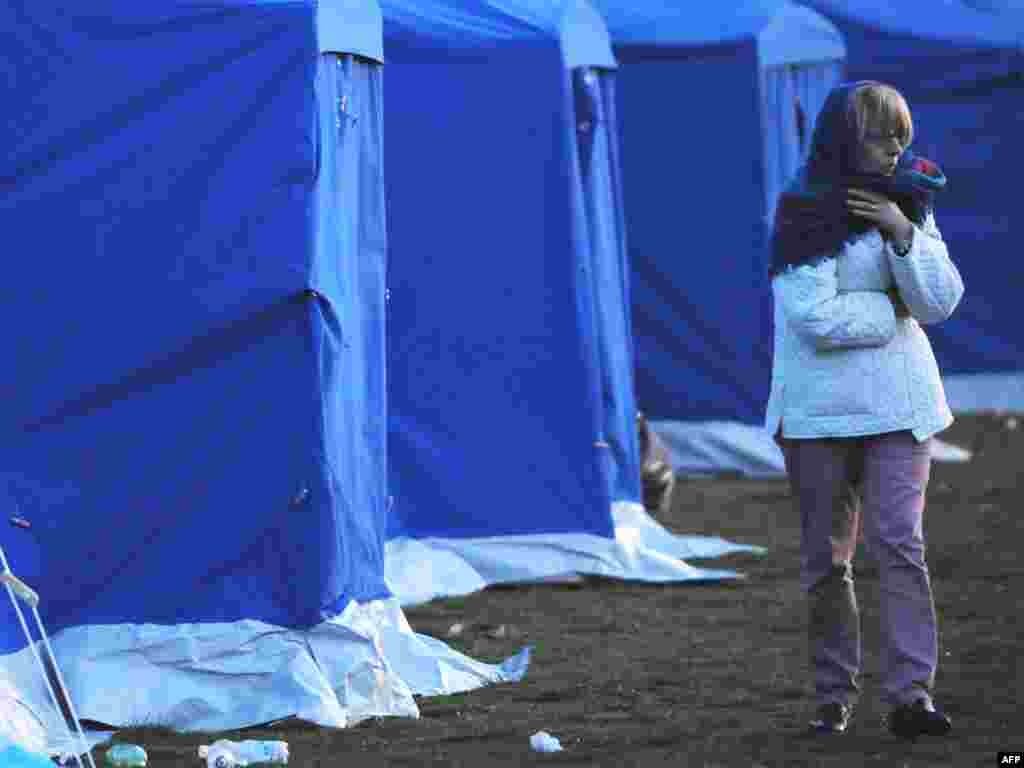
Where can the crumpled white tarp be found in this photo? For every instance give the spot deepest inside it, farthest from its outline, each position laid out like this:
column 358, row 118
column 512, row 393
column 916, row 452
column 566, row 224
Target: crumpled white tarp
column 419, row 570
column 715, row 447
column 38, row 730
column 367, row 662
column 719, row 447
column 20, row 724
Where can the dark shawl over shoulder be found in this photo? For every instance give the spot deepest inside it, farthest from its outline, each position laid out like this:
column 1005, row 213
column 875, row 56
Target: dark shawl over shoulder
column 811, row 219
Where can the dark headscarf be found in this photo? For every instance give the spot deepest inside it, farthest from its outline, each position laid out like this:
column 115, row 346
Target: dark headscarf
column 811, row 219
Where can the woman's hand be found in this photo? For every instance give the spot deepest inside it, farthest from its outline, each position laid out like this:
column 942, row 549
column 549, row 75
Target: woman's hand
column 880, row 211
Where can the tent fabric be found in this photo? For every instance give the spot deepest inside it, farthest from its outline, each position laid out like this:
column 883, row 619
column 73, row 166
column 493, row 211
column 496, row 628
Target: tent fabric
column 660, row 24
column 23, row 727
column 44, row 732
column 960, row 70
column 146, row 213
column 729, row 448
column 194, row 420
column 350, row 27
column 701, row 332
column 981, row 392
column 571, row 27
column 792, row 96
column 421, row 569
column 512, row 419
column 796, row 34
column 786, row 32
column 594, row 107
column 953, row 25
column 210, row 676
column 698, row 175
column 1000, row 6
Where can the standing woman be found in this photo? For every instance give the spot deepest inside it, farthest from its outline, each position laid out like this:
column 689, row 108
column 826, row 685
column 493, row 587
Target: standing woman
column 858, row 266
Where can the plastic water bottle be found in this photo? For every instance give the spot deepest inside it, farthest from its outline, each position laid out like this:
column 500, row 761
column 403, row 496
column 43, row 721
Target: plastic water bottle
column 224, row 753
column 542, row 741
column 126, row 756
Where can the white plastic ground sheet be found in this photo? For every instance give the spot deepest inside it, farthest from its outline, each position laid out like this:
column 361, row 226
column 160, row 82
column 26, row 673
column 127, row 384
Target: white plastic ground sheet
column 715, row 447
column 37, row 729
column 368, row 662
column 418, row 570
column 711, row 448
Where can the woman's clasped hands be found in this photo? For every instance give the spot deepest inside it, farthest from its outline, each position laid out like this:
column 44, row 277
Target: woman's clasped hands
column 880, row 211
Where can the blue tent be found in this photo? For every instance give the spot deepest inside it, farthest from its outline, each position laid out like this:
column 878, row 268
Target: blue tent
column 961, row 69
column 716, row 106
column 194, row 421
column 998, row 6
column 512, row 417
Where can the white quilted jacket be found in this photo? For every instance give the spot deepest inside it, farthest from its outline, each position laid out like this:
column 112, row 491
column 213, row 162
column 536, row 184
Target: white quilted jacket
column 844, row 364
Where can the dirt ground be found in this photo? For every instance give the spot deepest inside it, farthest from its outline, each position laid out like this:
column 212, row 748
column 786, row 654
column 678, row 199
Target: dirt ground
column 714, row 675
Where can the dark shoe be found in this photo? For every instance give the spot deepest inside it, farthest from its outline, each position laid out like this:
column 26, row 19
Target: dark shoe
column 909, row 721
column 832, row 718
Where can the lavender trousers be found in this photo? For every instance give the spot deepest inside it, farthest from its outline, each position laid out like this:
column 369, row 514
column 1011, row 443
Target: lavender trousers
column 875, row 484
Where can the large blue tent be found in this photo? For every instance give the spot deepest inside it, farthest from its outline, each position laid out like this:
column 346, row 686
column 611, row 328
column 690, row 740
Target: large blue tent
column 716, row 104
column 962, row 71
column 194, row 411
column 512, row 416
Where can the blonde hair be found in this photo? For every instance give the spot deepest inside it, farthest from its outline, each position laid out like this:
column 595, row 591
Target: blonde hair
column 880, row 108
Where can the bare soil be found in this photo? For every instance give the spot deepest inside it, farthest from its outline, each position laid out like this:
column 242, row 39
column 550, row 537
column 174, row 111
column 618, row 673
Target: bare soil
column 713, row 675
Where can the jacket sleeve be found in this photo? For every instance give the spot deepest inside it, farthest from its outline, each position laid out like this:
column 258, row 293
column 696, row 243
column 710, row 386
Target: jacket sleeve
column 827, row 319
column 929, row 283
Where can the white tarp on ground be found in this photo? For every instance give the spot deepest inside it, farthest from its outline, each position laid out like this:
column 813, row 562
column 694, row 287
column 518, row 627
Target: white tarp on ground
column 418, row 570
column 702, row 448
column 22, row 725
column 38, row 731
column 368, row 662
